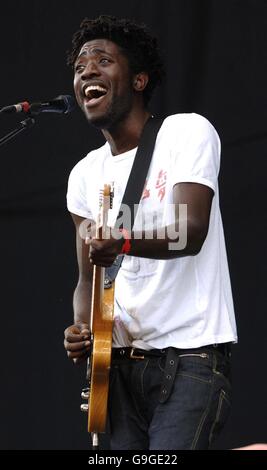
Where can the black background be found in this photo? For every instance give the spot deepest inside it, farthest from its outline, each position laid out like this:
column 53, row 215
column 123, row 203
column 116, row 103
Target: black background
column 216, row 58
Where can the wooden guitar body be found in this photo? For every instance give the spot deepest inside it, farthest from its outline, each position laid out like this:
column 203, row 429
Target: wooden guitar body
column 101, row 357
column 101, row 331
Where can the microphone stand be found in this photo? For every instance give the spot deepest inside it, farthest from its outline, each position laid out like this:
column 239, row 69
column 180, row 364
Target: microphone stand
column 26, row 124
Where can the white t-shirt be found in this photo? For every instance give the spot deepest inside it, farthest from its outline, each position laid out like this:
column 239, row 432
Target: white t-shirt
column 183, row 302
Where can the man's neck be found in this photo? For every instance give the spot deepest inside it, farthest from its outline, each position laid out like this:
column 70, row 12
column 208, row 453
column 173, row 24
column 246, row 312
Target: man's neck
column 127, row 134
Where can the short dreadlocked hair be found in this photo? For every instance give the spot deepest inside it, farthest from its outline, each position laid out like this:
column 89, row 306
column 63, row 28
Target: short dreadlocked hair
column 134, row 40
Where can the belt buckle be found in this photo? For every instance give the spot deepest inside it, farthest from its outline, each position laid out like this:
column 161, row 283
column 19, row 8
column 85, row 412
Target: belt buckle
column 134, row 356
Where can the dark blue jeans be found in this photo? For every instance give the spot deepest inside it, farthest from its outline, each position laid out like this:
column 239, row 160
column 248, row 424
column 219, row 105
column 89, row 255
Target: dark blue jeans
column 192, row 416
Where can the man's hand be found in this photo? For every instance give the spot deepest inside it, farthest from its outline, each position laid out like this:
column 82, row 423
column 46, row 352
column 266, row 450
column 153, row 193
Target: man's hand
column 77, row 342
column 104, row 252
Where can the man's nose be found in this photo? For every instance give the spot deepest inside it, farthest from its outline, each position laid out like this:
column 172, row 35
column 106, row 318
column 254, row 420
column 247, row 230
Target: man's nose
column 91, row 70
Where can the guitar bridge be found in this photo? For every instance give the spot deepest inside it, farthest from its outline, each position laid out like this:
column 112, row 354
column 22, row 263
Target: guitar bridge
column 85, row 395
column 86, row 391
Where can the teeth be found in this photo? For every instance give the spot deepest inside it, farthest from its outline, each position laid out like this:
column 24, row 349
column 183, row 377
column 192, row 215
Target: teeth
column 92, row 88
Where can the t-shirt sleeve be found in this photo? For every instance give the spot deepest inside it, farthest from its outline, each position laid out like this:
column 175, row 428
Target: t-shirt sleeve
column 76, row 193
column 199, row 158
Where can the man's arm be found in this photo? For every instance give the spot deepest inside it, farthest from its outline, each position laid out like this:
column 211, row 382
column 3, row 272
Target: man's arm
column 198, row 199
column 77, row 335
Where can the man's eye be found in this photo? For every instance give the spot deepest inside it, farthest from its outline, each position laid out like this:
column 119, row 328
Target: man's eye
column 104, row 60
column 79, row 67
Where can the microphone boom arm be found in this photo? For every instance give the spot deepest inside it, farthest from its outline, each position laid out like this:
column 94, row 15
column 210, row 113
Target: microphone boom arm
column 26, row 124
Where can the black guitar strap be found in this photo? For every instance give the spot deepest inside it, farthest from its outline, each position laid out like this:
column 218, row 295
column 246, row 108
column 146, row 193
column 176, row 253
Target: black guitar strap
column 135, row 185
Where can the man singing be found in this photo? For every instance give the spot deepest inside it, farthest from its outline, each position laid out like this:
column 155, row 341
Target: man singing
column 172, row 306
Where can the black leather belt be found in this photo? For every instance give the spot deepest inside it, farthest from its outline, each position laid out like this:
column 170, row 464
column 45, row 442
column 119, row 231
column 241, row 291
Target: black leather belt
column 136, row 353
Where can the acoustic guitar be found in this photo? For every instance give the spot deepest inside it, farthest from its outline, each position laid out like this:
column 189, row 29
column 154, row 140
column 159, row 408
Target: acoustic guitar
column 101, row 333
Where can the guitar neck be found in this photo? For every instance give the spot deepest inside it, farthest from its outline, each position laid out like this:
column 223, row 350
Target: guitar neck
column 96, row 318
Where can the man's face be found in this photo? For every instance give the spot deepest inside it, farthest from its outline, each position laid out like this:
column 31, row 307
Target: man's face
column 103, row 83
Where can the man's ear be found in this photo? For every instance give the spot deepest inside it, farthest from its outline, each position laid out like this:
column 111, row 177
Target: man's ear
column 140, row 81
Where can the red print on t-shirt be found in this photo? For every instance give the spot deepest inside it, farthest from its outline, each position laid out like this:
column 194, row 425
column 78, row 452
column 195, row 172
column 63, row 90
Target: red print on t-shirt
column 146, row 192
column 161, row 184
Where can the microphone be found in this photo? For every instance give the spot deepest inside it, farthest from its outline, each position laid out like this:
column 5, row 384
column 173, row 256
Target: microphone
column 61, row 104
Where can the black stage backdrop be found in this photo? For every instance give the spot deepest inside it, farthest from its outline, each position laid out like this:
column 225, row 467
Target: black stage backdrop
column 216, row 58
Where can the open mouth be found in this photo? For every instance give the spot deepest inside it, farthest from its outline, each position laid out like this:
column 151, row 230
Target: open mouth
column 94, row 94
